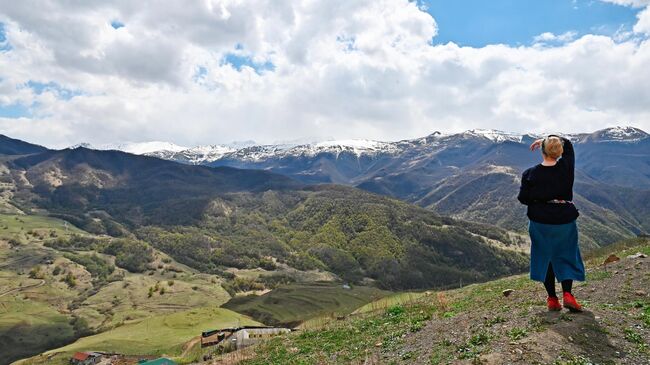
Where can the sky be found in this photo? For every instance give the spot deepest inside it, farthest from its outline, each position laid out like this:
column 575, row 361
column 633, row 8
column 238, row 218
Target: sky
column 216, row 71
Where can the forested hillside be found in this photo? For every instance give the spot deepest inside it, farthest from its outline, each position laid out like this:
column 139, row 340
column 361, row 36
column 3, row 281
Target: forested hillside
column 213, row 219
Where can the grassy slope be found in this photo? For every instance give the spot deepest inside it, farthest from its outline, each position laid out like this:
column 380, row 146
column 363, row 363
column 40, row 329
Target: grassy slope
column 28, row 326
column 18, row 226
column 162, row 335
column 30, row 317
column 36, row 316
column 291, row 304
column 478, row 323
column 389, row 301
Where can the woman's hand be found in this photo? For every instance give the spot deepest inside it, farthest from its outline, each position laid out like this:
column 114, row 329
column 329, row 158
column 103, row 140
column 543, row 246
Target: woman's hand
column 537, row 144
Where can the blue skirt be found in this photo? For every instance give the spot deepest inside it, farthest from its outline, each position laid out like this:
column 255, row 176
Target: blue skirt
column 556, row 244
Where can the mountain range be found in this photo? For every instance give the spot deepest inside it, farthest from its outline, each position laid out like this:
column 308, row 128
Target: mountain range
column 408, row 214
column 215, row 218
column 472, row 175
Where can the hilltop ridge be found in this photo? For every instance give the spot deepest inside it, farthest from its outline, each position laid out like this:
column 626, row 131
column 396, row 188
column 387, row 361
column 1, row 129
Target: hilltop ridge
column 478, row 324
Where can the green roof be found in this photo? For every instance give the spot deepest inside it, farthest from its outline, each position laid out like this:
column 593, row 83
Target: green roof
column 161, row 361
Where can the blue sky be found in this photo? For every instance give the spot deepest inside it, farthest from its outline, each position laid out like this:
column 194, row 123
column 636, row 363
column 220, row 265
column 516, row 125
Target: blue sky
column 131, row 72
column 516, row 22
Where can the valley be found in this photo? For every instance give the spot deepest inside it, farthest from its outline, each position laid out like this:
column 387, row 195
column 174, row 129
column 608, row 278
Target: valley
column 136, row 255
column 473, row 175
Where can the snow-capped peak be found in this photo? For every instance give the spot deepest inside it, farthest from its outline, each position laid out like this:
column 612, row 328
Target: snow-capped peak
column 624, row 133
column 617, row 134
column 142, row 148
column 137, row 148
column 495, row 135
column 248, row 151
column 358, row 145
column 195, row 155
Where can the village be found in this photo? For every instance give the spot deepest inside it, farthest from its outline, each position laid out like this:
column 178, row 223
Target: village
column 221, row 341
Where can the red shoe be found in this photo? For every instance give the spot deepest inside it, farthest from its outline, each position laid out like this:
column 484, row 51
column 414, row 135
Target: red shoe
column 570, row 303
column 553, row 304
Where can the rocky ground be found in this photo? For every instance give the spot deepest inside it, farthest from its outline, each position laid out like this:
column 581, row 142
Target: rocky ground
column 613, row 329
column 478, row 324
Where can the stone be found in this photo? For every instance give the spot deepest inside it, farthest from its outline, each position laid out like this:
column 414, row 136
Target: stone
column 507, row 292
column 637, row 255
column 640, row 293
column 610, row 259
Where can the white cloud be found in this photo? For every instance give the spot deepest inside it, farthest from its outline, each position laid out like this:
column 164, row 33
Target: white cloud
column 347, row 69
column 643, row 25
column 550, row 37
column 633, row 3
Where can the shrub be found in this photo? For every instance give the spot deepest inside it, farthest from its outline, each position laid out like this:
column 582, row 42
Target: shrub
column 241, row 285
column 36, row 273
column 70, row 280
column 96, row 266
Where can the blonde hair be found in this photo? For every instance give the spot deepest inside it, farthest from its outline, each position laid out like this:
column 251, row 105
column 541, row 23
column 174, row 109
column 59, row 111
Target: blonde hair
column 552, row 147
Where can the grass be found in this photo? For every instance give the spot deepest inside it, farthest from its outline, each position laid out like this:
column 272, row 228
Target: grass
column 162, row 335
column 621, row 249
column 566, row 358
column 128, row 299
column 295, row 303
column 597, row 275
column 28, row 327
column 347, row 341
column 389, row 301
column 31, row 321
column 30, row 227
column 517, row 333
column 370, row 331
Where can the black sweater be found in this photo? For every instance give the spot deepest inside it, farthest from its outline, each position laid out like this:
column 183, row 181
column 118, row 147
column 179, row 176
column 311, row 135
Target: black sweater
column 540, row 184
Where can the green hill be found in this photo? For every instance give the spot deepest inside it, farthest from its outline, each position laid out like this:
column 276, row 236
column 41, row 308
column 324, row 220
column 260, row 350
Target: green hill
column 215, row 218
column 292, row 304
column 163, row 335
column 477, row 324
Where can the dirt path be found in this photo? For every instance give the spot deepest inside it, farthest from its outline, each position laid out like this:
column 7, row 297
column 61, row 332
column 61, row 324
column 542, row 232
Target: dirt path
column 518, row 329
column 41, row 283
column 189, row 345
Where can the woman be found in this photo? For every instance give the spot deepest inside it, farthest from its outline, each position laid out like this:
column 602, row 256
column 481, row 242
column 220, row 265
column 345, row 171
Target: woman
column 547, row 190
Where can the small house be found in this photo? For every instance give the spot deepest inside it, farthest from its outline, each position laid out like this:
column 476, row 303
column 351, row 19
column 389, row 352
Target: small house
column 85, row 358
column 237, row 338
column 249, row 336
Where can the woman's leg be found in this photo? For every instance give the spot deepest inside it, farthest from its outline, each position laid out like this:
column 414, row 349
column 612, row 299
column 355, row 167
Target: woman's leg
column 566, row 285
column 549, row 282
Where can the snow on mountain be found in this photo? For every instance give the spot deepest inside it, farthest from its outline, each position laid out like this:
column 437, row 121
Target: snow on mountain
column 202, row 154
column 628, row 134
column 148, row 147
column 195, row 155
column 494, row 135
column 136, row 148
column 248, row 151
column 356, row 146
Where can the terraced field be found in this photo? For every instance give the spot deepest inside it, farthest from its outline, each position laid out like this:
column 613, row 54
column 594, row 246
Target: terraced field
column 34, row 228
column 293, row 304
column 162, row 335
column 38, row 308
